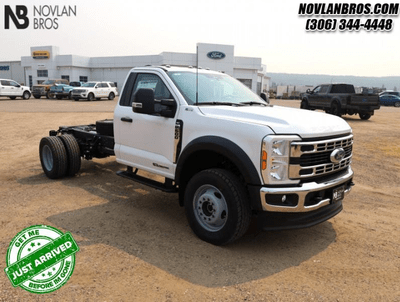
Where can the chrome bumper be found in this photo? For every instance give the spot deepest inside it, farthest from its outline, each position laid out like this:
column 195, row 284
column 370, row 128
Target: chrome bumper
column 302, row 192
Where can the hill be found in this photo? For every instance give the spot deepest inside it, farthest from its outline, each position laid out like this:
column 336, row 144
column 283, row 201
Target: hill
column 392, row 83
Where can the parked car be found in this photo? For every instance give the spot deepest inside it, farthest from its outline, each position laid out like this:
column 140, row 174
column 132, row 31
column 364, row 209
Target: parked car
column 12, row 89
column 60, row 91
column 44, row 88
column 76, row 84
column 95, row 90
column 389, row 100
column 390, row 92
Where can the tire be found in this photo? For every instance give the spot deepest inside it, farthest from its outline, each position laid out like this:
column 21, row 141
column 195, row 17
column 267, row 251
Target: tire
column 111, row 96
column 48, row 96
column 73, row 154
column 105, row 127
column 397, row 104
column 217, row 206
column 304, row 105
column 37, row 96
column 90, row 97
column 12, row 97
column 364, row 116
column 26, row 95
column 70, row 95
column 53, row 157
column 335, row 109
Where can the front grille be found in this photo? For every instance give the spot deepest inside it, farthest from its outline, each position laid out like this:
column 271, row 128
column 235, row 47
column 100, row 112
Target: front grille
column 38, row 89
column 78, row 91
column 310, row 159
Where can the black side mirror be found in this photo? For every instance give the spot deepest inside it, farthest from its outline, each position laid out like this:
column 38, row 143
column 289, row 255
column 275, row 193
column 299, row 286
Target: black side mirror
column 309, row 91
column 170, row 109
column 143, row 101
column 264, row 96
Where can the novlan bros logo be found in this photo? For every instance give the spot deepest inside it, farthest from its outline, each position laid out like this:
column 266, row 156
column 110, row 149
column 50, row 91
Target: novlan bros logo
column 45, row 16
column 21, row 12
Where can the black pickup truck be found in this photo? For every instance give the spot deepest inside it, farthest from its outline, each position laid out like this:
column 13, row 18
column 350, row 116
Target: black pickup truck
column 339, row 99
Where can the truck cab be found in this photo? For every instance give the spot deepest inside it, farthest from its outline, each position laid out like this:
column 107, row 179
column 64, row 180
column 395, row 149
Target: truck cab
column 230, row 155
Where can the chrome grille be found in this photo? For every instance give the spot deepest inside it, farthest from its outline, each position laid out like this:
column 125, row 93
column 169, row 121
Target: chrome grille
column 78, row 91
column 309, row 159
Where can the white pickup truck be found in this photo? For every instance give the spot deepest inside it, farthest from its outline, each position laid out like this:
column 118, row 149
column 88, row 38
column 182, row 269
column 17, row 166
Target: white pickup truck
column 230, row 155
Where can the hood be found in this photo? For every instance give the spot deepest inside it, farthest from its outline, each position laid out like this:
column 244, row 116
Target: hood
column 283, row 120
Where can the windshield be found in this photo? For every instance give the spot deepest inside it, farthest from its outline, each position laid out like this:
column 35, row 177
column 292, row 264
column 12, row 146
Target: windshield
column 88, row 84
column 213, row 88
column 48, row 82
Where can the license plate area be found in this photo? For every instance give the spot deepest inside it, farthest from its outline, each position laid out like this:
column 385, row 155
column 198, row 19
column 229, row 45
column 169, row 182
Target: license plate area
column 337, row 194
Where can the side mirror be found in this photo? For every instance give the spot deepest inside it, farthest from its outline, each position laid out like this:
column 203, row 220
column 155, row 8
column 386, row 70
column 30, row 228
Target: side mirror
column 264, row 96
column 143, row 101
column 308, row 91
column 170, row 109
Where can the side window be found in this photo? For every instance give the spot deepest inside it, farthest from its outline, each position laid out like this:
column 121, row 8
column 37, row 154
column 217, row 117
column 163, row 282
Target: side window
column 104, row 85
column 5, row 83
column 324, row 89
column 317, row 89
column 154, row 82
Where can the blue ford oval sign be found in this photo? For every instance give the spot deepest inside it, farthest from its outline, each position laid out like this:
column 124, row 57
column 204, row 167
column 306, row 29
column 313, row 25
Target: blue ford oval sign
column 216, row 55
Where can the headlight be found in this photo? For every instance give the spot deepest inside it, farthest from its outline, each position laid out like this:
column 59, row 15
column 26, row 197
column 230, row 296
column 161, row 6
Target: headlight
column 275, row 154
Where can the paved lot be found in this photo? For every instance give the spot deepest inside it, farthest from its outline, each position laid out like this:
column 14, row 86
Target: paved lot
column 136, row 245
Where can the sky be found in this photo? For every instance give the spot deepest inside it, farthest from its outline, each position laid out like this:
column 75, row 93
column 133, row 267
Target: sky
column 269, row 29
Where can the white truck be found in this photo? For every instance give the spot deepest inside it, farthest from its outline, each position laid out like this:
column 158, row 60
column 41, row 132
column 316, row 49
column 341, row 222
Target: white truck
column 230, row 155
column 12, row 89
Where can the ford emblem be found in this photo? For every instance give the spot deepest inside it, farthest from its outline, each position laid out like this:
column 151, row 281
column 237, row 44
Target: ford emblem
column 216, row 55
column 337, row 155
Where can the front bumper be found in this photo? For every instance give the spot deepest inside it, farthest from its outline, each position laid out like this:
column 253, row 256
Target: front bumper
column 308, row 197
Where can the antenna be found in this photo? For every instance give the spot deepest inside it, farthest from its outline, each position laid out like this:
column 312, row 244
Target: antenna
column 197, row 75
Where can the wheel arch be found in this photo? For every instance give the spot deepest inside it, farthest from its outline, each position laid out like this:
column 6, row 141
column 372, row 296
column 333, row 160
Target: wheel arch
column 214, row 152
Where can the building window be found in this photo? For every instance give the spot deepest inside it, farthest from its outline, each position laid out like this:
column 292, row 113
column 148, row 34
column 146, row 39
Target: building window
column 83, row 79
column 65, row 77
column 258, row 88
column 247, row 82
column 42, row 73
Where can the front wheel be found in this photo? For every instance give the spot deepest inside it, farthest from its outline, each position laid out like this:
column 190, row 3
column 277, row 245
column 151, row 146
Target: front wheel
column 364, row 116
column 304, row 105
column 90, row 97
column 217, row 206
column 26, row 95
column 397, row 104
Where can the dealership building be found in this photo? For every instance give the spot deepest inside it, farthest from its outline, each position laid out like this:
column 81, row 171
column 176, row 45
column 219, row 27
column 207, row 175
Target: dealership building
column 47, row 62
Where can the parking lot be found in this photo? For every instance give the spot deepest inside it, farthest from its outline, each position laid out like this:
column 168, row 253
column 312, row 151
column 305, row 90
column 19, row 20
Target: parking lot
column 136, row 245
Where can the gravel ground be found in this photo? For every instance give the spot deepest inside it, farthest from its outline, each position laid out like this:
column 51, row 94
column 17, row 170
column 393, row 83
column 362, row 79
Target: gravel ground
column 136, row 245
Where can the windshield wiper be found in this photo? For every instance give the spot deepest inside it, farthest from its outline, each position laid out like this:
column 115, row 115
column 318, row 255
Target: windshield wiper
column 220, row 103
column 253, row 103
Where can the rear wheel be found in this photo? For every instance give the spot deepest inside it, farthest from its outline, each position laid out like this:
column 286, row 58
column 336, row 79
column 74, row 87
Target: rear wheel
column 335, row 109
column 73, row 154
column 364, row 116
column 53, row 157
column 48, row 95
column 397, row 104
column 111, row 96
column 217, row 206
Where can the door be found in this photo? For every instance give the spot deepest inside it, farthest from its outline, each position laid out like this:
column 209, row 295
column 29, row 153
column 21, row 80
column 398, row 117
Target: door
column 16, row 89
column 145, row 141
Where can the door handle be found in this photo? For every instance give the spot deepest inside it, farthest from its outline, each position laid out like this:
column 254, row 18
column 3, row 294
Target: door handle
column 126, row 119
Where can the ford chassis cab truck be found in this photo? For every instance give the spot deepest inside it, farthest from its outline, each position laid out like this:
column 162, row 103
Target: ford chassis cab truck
column 229, row 155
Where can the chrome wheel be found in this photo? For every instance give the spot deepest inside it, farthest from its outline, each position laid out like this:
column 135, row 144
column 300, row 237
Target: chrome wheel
column 47, row 158
column 210, row 208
